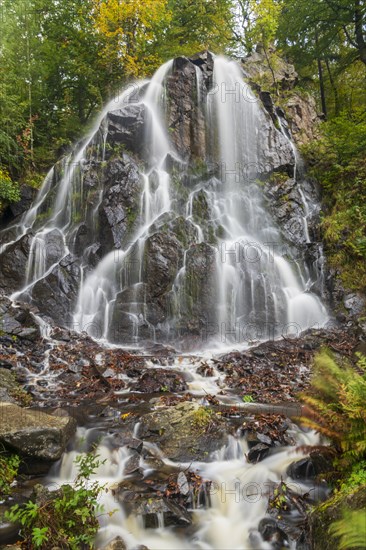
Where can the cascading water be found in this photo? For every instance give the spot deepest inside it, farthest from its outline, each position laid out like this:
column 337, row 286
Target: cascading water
column 225, row 269
column 227, row 517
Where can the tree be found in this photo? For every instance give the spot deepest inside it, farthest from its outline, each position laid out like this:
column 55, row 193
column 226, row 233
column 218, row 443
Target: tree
column 128, row 31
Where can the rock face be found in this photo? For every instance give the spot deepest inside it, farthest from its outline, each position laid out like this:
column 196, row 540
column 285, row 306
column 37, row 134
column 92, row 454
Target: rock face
column 56, row 294
column 34, row 434
column 126, row 126
column 13, row 264
column 185, row 117
column 300, row 108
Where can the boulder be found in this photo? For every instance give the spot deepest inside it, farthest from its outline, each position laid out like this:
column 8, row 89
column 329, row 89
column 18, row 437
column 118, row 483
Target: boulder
column 185, row 432
column 160, row 380
column 198, row 308
column 35, row 434
column 271, row 532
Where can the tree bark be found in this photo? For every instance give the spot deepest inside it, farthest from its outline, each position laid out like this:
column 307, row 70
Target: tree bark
column 321, row 78
column 360, row 40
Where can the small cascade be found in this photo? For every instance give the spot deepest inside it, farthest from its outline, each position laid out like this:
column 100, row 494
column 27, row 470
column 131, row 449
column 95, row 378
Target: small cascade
column 225, row 517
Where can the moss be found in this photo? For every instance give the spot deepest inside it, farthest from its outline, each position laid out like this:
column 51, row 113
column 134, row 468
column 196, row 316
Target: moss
column 324, row 515
column 202, row 417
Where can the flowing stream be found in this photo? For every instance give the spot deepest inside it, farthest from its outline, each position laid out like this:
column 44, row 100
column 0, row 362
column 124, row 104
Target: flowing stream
column 225, row 517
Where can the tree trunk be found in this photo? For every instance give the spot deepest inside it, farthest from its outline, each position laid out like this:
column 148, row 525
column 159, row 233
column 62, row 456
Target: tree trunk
column 360, row 40
column 321, row 78
column 334, row 88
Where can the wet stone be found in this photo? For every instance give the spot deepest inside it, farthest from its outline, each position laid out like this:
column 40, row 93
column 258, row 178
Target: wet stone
column 258, row 453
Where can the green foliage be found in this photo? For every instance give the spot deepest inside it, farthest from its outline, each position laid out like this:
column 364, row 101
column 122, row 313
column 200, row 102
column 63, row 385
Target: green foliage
column 9, row 191
column 248, row 399
column 8, row 471
column 203, row 417
column 338, row 162
column 66, row 518
column 337, row 407
column 350, row 530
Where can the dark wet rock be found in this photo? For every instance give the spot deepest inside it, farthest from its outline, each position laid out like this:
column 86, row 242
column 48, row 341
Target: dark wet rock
column 160, row 380
column 13, row 264
column 287, row 207
column 18, row 322
column 56, row 294
column 163, row 257
column 205, row 61
column 200, row 307
column 120, row 203
column 126, row 127
column 310, row 467
column 184, row 230
column 302, row 116
column 185, row 117
column 27, row 196
column 258, row 453
column 185, row 432
column 34, row 434
column 270, row 532
column 132, row 465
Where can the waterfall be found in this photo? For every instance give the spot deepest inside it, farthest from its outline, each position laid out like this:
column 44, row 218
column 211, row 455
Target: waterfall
column 248, row 282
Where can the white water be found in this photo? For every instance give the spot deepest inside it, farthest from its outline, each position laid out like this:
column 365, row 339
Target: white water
column 238, row 495
column 256, row 289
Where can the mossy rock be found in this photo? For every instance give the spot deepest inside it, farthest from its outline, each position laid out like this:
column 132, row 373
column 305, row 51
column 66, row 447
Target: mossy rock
column 330, row 511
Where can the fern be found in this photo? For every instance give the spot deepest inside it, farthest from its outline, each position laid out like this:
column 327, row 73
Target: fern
column 351, row 530
column 336, row 403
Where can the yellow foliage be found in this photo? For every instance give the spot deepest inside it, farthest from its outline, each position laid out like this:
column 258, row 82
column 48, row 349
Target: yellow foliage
column 128, row 29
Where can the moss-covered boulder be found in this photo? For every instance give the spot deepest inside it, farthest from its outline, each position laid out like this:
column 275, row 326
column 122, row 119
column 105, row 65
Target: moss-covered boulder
column 185, row 432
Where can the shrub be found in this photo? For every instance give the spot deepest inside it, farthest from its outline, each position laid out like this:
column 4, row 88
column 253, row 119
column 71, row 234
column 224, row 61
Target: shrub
column 8, row 471
column 9, row 191
column 66, row 518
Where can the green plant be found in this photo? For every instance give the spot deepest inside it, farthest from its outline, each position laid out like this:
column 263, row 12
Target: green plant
column 350, row 530
column 247, row 399
column 336, row 402
column 9, row 191
column 66, row 518
column 203, row 416
column 8, row 471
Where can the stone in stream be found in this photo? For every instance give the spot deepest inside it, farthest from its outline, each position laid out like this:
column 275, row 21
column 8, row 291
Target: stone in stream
column 34, row 434
column 185, row 432
column 258, row 452
column 310, row 467
column 270, row 532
